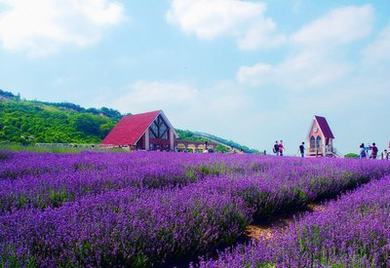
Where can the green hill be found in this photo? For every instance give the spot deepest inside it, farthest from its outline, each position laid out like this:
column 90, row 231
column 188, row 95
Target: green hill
column 29, row 122
column 24, row 121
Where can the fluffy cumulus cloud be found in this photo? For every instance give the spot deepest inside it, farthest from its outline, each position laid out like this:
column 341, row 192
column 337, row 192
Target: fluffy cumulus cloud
column 243, row 20
column 305, row 70
column 341, row 25
column 42, row 27
column 316, row 58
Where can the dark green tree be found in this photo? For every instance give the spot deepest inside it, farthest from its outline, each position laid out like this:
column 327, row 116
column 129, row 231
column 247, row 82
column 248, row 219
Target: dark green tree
column 87, row 125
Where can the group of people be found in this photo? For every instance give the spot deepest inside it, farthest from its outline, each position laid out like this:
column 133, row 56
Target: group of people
column 278, row 148
column 371, row 152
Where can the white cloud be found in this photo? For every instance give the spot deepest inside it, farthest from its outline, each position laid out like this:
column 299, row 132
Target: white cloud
column 243, row 20
column 305, row 70
column 380, row 48
column 154, row 95
column 255, row 75
column 341, row 25
column 261, row 35
column 42, row 27
column 316, row 59
column 310, row 69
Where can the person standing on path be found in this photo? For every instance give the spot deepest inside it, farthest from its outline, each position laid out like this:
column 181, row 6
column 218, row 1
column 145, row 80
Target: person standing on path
column 276, row 148
column 374, row 151
column 385, row 155
column 281, row 148
column 302, row 149
column 362, row 154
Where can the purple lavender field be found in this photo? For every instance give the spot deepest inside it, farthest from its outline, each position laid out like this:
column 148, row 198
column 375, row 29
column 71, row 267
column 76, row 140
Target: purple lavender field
column 168, row 209
column 350, row 232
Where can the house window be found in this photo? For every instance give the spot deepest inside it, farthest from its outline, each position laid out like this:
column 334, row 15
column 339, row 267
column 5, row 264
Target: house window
column 154, row 129
column 151, row 134
column 159, row 129
column 159, row 133
column 312, row 142
column 318, row 142
column 165, row 135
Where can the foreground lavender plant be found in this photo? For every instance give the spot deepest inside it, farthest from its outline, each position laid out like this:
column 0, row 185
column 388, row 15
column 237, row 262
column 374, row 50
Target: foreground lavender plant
column 126, row 228
column 350, row 232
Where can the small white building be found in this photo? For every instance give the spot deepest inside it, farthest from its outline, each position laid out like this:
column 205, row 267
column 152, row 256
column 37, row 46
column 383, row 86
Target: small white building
column 320, row 138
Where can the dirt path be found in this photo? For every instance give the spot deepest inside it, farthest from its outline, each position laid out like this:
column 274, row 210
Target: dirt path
column 266, row 231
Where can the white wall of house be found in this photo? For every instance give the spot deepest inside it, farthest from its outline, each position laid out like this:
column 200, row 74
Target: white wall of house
column 316, row 147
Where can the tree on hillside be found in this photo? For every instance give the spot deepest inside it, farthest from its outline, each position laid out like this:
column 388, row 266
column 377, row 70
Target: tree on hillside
column 221, row 149
column 111, row 113
column 87, row 125
column 106, row 128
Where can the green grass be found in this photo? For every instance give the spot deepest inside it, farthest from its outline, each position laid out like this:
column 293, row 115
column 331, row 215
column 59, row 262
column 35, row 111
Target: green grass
column 15, row 147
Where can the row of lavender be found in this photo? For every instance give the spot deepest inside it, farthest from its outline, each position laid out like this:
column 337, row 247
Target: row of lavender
column 19, row 166
column 137, row 226
column 353, row 231
column 47, row 180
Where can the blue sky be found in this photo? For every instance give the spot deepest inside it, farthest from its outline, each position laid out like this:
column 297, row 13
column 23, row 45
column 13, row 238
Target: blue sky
column 251, row 71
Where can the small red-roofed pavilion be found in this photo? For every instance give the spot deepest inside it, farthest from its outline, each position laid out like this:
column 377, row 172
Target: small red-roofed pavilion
column 320, row 138
column 145, row 131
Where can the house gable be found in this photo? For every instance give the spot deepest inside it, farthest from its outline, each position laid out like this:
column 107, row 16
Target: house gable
column 146, row 131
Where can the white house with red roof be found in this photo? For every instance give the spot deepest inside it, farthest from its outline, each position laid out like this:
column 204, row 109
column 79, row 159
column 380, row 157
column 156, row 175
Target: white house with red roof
column 320, row 138
column 145, row 131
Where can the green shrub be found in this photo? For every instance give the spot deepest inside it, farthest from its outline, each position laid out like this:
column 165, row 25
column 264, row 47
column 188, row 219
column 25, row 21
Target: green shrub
column 351, row 155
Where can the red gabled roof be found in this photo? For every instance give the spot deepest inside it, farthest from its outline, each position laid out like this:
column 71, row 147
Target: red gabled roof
column 130, row 129
column 324, row 126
